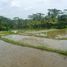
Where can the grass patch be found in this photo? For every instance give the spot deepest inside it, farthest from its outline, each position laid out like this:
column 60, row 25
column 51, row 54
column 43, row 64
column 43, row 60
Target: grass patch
column 37, row 47
column 3, row 33
column 62, row 38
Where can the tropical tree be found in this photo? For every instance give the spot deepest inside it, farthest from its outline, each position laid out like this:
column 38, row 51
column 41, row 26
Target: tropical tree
column 53, row 15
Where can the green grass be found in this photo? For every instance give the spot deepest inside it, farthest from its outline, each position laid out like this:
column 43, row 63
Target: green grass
column 62, row 38
column 36, row 47
column 2, row 33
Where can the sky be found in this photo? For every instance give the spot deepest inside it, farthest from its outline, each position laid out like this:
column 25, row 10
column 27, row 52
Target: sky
column 23, row 8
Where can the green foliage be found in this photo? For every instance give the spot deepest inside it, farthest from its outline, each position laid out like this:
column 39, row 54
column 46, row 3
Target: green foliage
column 53, row 19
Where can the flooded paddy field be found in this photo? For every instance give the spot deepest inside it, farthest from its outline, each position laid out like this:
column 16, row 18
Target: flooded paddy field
column 54, row 39
column 17, row 56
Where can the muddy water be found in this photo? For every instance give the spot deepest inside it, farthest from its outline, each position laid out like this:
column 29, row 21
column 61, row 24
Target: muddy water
column 17, row 56
column 37, row 41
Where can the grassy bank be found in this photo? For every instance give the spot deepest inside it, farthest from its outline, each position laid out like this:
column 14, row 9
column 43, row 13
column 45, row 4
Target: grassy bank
column 3, row 33
column 36, row 47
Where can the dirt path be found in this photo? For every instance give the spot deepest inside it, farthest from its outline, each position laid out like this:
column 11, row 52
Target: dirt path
column 17, row 56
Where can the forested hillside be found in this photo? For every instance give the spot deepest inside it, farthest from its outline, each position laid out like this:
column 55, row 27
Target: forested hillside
column 53, row 19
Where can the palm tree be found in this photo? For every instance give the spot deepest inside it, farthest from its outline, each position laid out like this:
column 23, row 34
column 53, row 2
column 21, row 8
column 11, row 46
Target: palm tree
column 53, row 15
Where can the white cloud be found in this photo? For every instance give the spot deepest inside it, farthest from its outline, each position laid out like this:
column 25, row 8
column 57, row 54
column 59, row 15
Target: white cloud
column 1, row 8
column 25, row 7
column 15, row 3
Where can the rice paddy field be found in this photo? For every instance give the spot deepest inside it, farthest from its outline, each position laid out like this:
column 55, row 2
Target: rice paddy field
column 43, row 48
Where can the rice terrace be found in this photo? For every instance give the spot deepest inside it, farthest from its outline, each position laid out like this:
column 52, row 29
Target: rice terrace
column 39, row 40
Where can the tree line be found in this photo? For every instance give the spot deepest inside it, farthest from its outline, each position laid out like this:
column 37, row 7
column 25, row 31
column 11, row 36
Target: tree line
column 53, row 19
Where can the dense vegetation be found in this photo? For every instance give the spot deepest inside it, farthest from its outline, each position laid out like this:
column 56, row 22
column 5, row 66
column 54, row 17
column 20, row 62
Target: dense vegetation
column 53, row 19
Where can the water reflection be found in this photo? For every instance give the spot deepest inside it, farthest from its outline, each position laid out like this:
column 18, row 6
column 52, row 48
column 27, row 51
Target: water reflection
column 57, row 34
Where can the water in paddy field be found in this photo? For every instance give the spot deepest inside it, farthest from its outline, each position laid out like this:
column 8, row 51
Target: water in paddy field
column 51, row 41
column 17, row 56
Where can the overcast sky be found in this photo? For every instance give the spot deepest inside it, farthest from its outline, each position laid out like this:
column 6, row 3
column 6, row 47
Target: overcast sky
column 23, row 8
